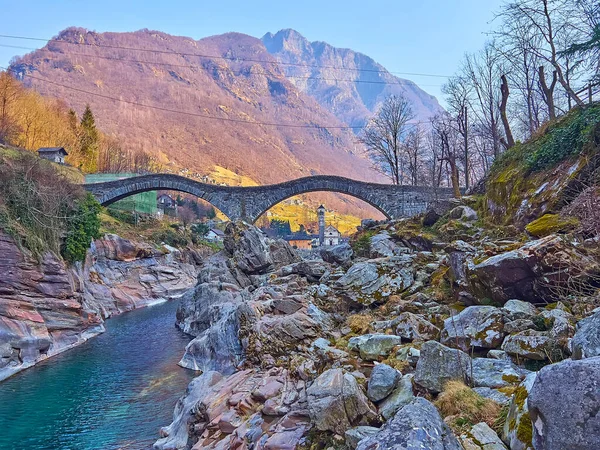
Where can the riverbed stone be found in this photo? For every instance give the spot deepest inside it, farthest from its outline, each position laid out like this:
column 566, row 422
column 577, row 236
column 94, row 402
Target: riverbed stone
column 481, row 437
column 586, row 342
column 529, row 344
column 439, row 364
column 336, row 402
column 417, row 425
column 400, row 396
column 496, row 373
column 475, row 326
column 517, row 431
column 382, row 382
column 373, row 346
column 564, row 405
column 354, row 435
column 413, row 327
column 338, row 254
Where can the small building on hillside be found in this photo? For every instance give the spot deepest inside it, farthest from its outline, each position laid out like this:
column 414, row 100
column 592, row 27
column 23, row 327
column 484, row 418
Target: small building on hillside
column 300, row 240
column 215, row 235
column 54, row 154
column 332, row 236
column 165, row 201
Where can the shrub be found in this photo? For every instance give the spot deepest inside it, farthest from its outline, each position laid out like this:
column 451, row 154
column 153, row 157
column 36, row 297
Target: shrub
column 360, row 323
column 83, row 226
column 169, row 237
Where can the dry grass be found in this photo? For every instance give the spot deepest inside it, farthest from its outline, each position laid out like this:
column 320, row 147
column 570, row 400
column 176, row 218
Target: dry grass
column 360, row 323
column 466, row 407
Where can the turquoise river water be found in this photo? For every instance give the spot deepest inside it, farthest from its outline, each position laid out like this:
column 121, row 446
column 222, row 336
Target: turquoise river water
column 113, row 392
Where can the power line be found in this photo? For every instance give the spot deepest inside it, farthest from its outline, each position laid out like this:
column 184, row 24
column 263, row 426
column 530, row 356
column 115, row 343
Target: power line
column 229, row 58
column 221, row 69
column 192, row 114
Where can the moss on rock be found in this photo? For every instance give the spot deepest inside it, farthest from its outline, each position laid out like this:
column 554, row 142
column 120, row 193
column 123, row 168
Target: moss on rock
column 551, row 223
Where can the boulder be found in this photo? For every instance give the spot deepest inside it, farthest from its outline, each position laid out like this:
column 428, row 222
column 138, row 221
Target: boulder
column 382, row 382
column 417, row 425
column 372, row 346
column 530, row 344
column 338, row 254
column 439, row 364
column 400, row 396
column 253, row 252
column 336, row 402
column 518, row 309
column 355, row 435
column 496, row 373
column 383, row 246
column 413, row 327
column 464, row 213
column 475, row 326
column 374, row 281
column 481, row 437
column 532, row 273
column 517, row 431
column 493, row 394
column 564, row 405
column 586, row 342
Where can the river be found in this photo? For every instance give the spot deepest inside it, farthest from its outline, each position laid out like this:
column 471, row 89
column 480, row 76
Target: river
column 114, row 391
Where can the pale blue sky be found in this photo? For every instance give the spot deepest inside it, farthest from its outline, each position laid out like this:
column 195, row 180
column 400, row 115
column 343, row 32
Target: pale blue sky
column 424, row 36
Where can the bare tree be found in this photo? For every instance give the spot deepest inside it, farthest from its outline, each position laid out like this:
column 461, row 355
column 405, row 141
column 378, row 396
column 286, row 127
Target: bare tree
column 510, row 141
column 444, row 130
column 384, row 135
column 458, row 93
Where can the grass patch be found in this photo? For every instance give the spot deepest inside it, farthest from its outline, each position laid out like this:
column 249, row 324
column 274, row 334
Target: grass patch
column 466, row 407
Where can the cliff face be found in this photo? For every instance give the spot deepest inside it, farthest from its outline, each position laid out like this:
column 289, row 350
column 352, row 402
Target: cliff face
column 46, row 307
column 347, row 83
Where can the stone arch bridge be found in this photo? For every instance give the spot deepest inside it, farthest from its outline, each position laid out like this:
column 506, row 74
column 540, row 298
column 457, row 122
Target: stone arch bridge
column 249, row 203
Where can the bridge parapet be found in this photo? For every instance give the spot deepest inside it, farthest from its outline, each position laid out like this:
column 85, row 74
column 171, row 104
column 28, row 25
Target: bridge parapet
column 250, row 203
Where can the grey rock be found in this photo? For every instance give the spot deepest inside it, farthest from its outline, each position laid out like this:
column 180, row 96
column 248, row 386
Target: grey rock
column 372, row 281
column 383, row 246
column 417, row 425
column 463, row 213
column 493, row 394
column 475, row 326
column 529, row 344
column 586, row 342
column 481, row 437
column 336, row 402
column 338, row 254
column 564, row 404
column 413, row 327
column 355, row 435
column 382, row 382
column 516, row 432
column 200, row 391
column 439, row 364
column 497, row 354
column 496, row 373
column 372, row 346
column 518, row 325
column 518, row 309
column 400, row 396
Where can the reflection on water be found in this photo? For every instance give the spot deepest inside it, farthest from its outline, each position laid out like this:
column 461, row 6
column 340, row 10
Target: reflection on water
column 114, row 391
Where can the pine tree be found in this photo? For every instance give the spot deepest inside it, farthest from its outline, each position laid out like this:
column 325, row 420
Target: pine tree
column 88, row 141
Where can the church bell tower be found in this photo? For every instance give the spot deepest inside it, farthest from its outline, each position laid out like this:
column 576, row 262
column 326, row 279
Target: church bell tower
column 321, row 214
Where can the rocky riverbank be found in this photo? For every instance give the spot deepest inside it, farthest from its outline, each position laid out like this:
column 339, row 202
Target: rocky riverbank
column 47, row 307
column 444, row 337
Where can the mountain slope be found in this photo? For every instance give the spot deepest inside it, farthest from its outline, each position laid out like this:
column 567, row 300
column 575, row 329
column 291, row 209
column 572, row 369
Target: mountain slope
column 316, row 67
column 235, row 90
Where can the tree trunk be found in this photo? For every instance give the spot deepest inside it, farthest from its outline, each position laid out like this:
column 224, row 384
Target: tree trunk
column 548, row 92
column 505, row 92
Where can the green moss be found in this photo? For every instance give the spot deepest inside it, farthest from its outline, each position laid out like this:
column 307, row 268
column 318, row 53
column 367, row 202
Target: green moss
column 525, row 430
column 511, row 378
column 551, row 223
column 520, row 396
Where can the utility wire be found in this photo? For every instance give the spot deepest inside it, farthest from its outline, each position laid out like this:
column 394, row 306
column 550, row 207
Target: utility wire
column 221, row 69
column 193, row 114
column 229, row 58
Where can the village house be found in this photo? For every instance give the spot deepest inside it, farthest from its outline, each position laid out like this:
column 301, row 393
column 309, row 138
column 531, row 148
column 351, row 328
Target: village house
column 54, row 154
column 300, row 240
column 215, row 235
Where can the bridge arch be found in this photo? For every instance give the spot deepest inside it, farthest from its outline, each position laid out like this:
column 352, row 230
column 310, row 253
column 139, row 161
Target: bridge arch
column 250, row 203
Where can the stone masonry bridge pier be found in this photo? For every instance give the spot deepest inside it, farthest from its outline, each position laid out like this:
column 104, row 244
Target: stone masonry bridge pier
column 249, row 203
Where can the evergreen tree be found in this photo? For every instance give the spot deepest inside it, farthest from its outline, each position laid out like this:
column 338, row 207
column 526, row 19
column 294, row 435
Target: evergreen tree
column 88, row 141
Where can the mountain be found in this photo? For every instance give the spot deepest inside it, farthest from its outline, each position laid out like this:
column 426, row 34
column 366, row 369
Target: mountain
column 235, row 97
column 347, row 83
